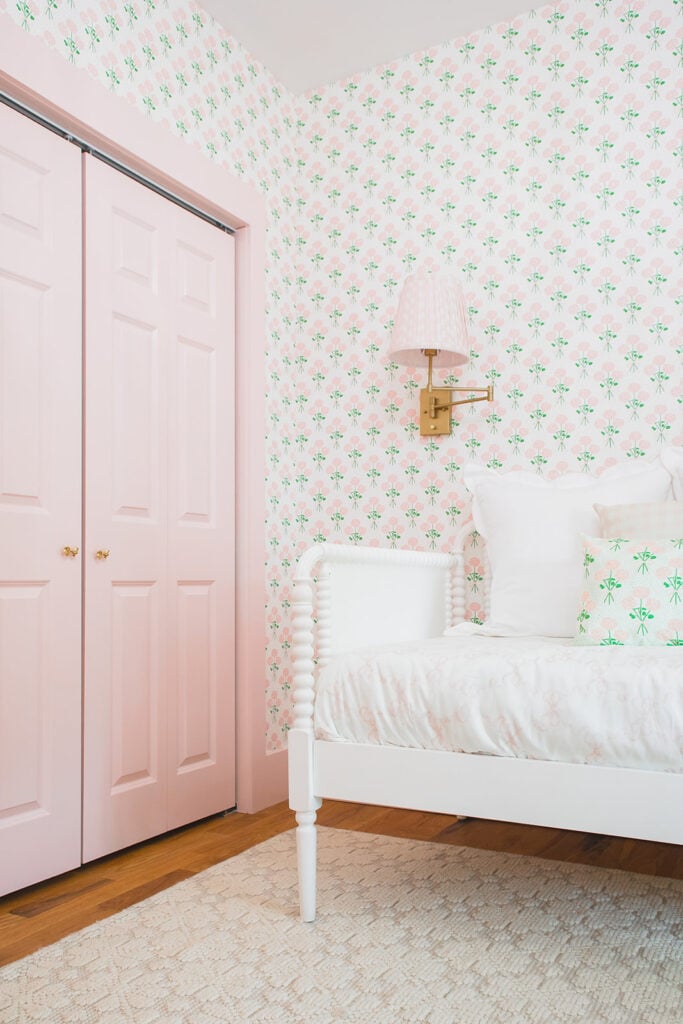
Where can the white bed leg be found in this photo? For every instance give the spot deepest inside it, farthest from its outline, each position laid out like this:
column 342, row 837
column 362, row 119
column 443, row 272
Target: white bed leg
column 302, row 798
column 306, row 855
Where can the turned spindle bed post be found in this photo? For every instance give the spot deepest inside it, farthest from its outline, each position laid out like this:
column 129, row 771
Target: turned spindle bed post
column 301, row 797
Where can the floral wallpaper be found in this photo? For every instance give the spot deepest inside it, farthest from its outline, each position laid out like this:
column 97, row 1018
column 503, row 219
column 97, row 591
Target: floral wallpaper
column 541, row 160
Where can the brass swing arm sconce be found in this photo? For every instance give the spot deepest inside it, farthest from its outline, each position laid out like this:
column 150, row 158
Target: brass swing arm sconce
column 431, row 321
column 436, row 403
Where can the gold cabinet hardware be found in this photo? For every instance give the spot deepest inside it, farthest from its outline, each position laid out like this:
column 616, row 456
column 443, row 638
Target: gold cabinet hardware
column 102, row 554
column 69, row 552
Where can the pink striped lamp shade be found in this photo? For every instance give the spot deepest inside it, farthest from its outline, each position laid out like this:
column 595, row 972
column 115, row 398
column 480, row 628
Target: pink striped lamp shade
column 431, row 314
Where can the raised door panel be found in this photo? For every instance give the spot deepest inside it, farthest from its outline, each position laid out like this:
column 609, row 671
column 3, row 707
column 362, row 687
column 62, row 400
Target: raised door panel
column 40, row 502
column 201, row 522
column 125, row 699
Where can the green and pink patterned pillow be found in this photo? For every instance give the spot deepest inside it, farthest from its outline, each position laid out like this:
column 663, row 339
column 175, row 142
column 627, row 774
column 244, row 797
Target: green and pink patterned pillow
column 632, row 592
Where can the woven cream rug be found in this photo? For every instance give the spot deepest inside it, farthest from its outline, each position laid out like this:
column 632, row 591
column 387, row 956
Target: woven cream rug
column 407, row 932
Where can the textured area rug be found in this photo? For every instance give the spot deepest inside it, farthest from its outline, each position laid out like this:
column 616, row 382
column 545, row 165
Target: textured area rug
column 406, row 932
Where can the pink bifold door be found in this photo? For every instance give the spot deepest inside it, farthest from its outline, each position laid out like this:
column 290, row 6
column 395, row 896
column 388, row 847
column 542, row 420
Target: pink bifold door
column 159, row 511
column 40, row 503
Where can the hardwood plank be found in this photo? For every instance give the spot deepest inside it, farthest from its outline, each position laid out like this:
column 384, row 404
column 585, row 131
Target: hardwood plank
column 642, row 857
column 39, row 906
column 142, row 892
column 44, row 913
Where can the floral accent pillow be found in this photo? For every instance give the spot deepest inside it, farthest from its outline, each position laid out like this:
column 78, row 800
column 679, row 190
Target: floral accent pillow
column 632, row 592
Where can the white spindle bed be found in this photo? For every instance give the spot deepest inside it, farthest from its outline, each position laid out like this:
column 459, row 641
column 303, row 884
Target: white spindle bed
column 351, row 597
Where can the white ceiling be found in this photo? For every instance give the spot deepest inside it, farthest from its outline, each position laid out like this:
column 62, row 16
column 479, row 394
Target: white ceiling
column 310, row 43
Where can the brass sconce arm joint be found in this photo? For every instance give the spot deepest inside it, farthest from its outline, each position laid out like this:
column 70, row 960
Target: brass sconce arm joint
column 485, row 395
column 436, row 403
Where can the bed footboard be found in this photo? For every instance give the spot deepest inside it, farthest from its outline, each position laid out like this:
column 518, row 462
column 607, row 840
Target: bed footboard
column 347, row 597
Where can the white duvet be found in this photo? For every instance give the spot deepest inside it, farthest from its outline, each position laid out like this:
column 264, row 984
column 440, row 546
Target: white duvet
column 521, row 697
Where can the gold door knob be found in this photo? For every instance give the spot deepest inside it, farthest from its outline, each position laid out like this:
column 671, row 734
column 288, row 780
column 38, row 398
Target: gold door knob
column 102, row 554
column 69, row 552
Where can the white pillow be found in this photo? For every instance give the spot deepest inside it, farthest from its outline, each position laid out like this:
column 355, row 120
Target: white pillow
column 672, row 458
column 656, row 520
column 533, row 528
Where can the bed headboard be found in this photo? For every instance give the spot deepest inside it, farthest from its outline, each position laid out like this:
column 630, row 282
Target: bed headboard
column 348, row 597
column 356, row 596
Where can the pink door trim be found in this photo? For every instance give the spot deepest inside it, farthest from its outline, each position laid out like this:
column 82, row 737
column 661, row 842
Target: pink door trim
column 37, row 76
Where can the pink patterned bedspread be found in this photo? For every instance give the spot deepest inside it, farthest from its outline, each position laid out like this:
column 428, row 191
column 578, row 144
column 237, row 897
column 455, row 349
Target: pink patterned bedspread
column 514, row 697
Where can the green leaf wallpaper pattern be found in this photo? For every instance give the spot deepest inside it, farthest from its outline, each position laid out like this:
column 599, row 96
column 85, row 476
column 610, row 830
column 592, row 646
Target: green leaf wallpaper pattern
column 540, row 159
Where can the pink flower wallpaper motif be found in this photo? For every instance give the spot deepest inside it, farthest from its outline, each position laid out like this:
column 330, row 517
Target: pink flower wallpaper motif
column 541, row 160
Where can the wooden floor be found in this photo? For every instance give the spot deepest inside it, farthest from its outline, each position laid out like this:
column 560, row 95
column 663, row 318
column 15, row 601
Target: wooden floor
column 44, row 913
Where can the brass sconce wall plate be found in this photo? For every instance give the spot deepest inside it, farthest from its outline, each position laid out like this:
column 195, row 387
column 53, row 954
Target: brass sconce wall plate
column 435, row 422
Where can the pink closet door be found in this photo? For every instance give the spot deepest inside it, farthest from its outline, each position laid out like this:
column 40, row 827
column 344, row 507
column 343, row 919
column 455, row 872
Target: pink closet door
column 201, row 526
column 159, row 676
column 40, row 503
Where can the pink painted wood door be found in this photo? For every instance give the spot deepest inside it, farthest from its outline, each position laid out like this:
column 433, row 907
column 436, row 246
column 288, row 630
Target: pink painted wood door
column 159, row 652
column 40, row 503
column 201, row 523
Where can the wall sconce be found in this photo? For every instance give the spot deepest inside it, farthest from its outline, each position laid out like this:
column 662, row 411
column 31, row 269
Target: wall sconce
column 430, row 322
